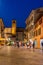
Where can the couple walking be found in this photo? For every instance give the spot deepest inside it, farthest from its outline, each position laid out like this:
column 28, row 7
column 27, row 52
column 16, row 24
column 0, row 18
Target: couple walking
column 31, row 44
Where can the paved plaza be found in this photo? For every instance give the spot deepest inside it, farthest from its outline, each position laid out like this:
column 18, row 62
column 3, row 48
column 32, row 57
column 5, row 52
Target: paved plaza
column 9, row 55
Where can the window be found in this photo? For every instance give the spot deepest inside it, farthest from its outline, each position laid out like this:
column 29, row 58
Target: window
column 39, row 31
column 36, row 25
column 40, row 21
column 36, row 32
column 32, row 18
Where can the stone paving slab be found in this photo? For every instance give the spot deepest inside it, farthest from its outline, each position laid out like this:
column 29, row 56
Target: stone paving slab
column 20, row 56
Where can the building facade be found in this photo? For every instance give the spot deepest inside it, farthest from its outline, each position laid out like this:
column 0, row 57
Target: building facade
column 20, row 34
column 38, row 32
column 31, row 21
column 13, row 30
column 7, row 32
column 2, row 38
column 1, row 29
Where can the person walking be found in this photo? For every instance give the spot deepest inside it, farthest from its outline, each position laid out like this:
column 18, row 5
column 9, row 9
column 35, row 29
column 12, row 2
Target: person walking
column 33, row 45
column 42, row 44
column 18, row 44
column 30, row 44
column 27, row 44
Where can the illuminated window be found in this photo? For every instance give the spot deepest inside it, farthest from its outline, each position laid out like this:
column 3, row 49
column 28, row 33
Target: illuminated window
column 36, row 25
column 39, row 31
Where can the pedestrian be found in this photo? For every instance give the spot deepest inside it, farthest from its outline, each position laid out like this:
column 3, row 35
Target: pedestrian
column 42, row 44
column 27, row 44
column 30, row 44
column 33, row 45
column 17, row 44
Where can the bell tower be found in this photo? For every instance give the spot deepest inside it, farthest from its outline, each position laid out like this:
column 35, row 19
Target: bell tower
column 14, row 27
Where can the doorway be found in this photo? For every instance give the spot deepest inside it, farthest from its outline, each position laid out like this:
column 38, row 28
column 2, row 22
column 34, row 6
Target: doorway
column 41, row 40
column 35, row 43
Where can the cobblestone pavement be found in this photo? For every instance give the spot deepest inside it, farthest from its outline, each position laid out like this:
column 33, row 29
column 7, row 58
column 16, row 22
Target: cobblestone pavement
column 20, row 56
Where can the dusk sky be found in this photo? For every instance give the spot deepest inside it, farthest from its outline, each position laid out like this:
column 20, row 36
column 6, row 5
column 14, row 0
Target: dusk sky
column 18, row 10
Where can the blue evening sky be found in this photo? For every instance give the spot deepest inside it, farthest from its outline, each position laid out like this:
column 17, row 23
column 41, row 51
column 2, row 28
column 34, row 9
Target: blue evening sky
column 18, row 10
